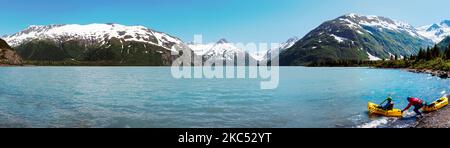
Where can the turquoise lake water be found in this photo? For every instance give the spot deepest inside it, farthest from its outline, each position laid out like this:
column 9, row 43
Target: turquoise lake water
column 151, row 97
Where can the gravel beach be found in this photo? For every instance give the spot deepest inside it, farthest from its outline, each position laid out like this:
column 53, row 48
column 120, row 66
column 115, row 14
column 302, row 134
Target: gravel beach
column 437, row 119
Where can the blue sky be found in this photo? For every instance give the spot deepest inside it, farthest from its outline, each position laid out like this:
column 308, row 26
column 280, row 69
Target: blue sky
column 235, row 20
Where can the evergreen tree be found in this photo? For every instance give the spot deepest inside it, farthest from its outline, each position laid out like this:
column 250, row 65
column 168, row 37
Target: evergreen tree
column 392, row 58
column 436, row 52
column 447, row 53
column 421, row 55
column 429, row 54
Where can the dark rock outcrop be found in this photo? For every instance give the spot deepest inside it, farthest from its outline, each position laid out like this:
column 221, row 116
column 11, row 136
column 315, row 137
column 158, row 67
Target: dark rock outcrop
column 434, row 73
column 7, row 55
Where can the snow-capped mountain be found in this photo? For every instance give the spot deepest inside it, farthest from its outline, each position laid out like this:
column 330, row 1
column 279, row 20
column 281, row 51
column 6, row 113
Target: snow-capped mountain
column 436, row 32
column 113, row 44
column 355, row 37
column 283, row 46
column 99, row 33
column 200, row 49
column 289, row 43
column 358, row 22
column 221, row 50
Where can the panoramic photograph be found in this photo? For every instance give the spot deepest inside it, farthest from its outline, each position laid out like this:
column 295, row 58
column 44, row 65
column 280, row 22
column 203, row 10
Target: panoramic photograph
column 224, row 64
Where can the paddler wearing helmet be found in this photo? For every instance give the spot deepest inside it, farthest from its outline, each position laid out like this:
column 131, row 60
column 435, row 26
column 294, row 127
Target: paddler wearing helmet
column 417, row 103
column 389, row 104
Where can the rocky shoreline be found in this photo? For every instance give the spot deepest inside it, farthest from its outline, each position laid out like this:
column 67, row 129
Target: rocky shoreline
column 437, row 119
column 438, row 73
column 440, row 118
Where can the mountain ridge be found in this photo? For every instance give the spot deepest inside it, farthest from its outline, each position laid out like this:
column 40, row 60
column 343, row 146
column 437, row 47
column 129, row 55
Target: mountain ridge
column 118, row 44
column 436, row 31
column 222, row 50
column 355, row 37
column 347, row 37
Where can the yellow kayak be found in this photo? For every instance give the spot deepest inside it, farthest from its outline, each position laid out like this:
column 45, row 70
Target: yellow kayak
column 436, row 105
column 374, row 109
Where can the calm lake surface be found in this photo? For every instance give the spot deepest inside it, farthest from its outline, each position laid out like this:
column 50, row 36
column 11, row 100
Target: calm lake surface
column 151, row 97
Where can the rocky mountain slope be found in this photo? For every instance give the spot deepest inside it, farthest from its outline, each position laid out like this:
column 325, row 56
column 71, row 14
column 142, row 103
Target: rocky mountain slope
column 7, row 55
column 436, row 32
column 115, row 43
column 355, row 37
column 222, row 50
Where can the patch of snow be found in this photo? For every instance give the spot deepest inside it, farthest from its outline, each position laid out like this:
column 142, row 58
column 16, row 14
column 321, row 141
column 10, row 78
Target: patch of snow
column 380, row 23
column 390, row 54
column 221, row 50
column 359, row 32
column 289, row 43
column 339, row 39
column 350, row 23
column 372, row 58
column 259, row 55
column 353, row 15
column 200, row 49
column 394, row 25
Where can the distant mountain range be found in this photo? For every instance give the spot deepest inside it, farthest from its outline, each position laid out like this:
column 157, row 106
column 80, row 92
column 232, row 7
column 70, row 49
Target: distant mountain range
column 283, row 46
column 348, row 37
column 122, row 45
column 222, row 50
column 436, row 32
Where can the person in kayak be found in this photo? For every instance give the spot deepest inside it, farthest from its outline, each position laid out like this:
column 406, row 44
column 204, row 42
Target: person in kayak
column 417, row 103
column 389, row 104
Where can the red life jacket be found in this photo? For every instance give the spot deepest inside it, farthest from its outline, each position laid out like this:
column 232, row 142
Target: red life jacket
column 413, row 101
